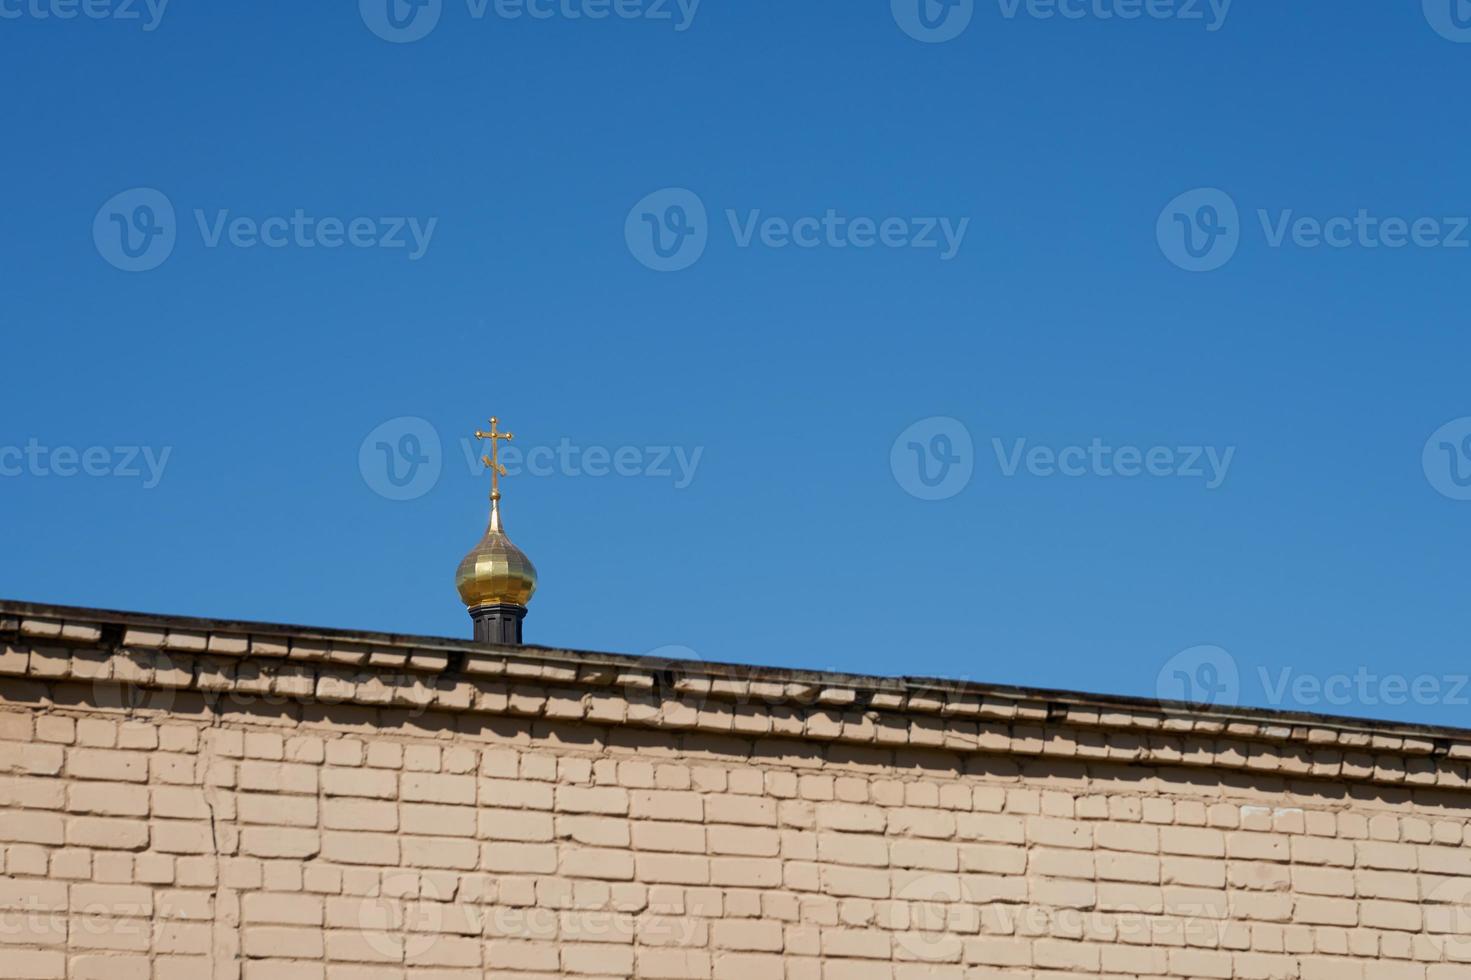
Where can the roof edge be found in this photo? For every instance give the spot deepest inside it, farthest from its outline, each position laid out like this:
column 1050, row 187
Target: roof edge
column 899, row 685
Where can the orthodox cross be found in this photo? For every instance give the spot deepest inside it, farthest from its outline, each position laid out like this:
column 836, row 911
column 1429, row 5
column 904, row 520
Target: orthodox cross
column 497, row 468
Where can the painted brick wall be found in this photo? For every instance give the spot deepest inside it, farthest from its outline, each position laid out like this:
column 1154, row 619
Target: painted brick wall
column 184, row 799
column 201, row 841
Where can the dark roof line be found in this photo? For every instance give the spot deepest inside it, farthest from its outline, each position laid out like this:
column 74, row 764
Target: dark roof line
column 1102, row 702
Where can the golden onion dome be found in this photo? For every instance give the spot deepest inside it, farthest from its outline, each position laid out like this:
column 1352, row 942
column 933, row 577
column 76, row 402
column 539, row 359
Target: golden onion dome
column 496, row 572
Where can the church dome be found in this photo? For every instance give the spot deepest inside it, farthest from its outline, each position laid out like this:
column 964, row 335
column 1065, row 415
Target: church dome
column 496, row 572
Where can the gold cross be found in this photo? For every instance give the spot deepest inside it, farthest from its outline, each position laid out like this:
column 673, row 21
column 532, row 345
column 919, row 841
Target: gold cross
column 493, row 461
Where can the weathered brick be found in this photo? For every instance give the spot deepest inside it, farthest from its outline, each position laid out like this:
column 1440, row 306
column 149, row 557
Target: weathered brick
column 107, row 833
column 841, row 838
column 279, row 842
column 112, row 765
column 367, row 783
column 580, row 799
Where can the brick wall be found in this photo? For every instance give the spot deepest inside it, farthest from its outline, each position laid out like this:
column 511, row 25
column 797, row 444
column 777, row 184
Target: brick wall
column 202, row 834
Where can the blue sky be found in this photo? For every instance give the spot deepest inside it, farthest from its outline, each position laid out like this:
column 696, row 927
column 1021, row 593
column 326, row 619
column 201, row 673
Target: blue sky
column 803, row 385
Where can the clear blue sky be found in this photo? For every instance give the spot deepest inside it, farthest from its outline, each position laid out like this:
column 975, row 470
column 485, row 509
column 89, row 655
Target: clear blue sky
column 1063, row 317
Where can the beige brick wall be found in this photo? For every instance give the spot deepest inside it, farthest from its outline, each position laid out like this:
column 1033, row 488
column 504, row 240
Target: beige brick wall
column 218, row 839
